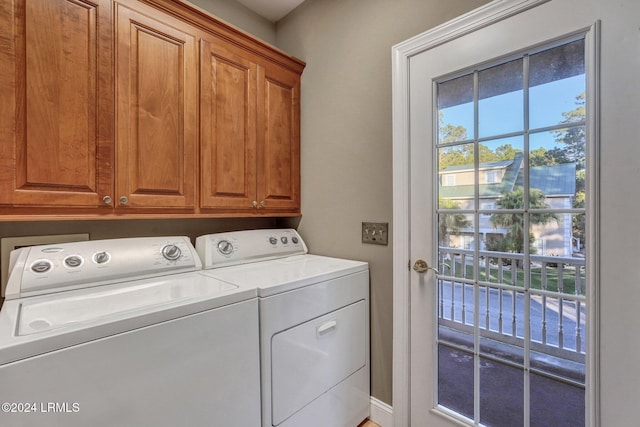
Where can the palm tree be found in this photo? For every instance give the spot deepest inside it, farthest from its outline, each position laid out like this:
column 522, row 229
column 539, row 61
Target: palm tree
column 514, row 222
column 450, row 223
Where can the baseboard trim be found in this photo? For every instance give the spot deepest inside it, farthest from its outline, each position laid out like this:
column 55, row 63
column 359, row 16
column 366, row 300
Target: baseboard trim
column 381, row 413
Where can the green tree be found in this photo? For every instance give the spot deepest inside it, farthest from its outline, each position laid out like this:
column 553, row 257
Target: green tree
column 573, row 137
column 573, row 140
column 463, row 154
column 455, row 156
column 506, row 151
column 450, row 223
column 543, row 157
column 486, row 154
column 450, row 133
column 578, row 222
column 514, row 239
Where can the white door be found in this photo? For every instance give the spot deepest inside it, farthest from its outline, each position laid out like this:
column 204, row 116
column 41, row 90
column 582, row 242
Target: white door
column 496, row 186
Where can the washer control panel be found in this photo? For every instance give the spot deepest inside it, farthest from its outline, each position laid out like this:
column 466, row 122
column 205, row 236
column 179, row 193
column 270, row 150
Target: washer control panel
column 225, row 247
column 241, row 247
column 44, row 269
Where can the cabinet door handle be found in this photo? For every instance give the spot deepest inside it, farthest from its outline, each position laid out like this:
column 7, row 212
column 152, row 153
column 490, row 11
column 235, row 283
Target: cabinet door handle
column 263, row 203
column 107, row 200
column 123, row 200
column 254, row 204
column 326, row 327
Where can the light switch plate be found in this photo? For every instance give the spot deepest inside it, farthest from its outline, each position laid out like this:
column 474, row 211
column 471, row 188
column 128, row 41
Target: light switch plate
column 375, row 232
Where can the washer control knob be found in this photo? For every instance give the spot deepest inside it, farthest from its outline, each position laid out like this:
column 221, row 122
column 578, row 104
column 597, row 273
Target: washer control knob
column 101, row 257
column 41, row 266
column 284, row 240
column 273, row 240
column 171, row 252
column 225, row 247
column 73, row 261
column 295, row 240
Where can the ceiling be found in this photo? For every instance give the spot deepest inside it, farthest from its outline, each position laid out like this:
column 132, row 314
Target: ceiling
column 273, row 10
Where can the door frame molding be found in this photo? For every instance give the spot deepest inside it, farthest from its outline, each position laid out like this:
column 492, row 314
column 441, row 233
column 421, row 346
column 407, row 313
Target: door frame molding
column 484, row 16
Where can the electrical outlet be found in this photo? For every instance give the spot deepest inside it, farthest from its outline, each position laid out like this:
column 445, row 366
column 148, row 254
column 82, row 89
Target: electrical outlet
column 375, row 232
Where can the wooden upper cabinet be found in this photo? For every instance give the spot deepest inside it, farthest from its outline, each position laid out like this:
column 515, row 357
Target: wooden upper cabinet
column 156, row 119
column 228, row 101
column 130, row 107
column 250, row 132
column 279, row 140
column 56, row 114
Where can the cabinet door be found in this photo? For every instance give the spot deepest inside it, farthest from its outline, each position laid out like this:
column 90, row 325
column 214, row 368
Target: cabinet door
column 156, row 121
column 228, row 92
column 56, row 109
column 279, row 140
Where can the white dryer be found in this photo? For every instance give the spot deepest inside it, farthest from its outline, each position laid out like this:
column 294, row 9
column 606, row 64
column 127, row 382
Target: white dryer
column 126, row 332
column 314, row 325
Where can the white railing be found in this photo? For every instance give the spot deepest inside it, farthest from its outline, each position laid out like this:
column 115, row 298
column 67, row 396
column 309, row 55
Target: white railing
column 557, row 304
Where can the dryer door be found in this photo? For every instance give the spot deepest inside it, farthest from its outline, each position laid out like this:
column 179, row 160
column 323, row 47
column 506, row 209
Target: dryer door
column 313, row 357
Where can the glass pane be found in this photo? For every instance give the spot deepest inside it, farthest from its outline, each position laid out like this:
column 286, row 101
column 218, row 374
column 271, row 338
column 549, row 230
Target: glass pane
column 499, row 170
column 493, row 265
column 455, row 380
column 455, row 232
column 491, row 311
column 579, row 236
column 565, row 275
column 557, row 166
column 550, row 232
column 455, row 305
column 455, row 110
column 556, row 403
column 500, row 107
column 501, row 324
column 508, row 310
column 456, row 176
column 501, row 394
column 557, row 85
column 558, row 327
column 505, row 267
column 508, row 237
column 500, row 149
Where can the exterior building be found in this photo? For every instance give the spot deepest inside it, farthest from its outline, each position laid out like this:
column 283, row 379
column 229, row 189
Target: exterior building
column 556, row 182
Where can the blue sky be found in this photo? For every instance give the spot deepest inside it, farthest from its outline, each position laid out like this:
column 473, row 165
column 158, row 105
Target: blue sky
column 504, row 113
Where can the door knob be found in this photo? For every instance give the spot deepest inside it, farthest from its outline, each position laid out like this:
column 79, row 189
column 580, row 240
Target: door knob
column 421, row 266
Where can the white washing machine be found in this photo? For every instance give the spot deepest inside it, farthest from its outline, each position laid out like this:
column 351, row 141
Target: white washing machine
column 126, row 332
column 314, row 325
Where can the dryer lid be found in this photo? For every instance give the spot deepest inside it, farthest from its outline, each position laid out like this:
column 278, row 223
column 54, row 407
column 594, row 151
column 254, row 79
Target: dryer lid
column 285, row 274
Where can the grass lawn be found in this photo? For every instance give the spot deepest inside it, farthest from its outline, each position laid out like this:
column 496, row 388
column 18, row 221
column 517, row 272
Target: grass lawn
column 568, row 277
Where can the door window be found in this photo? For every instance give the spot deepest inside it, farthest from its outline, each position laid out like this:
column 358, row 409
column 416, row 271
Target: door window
column 512, row 308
